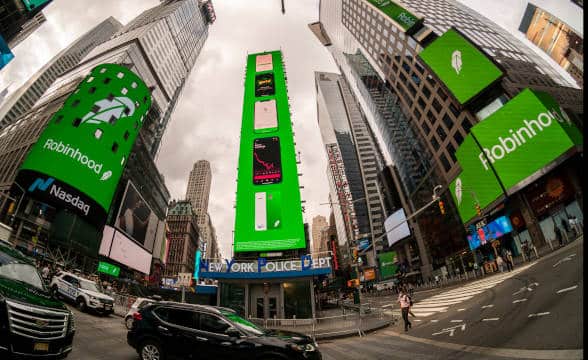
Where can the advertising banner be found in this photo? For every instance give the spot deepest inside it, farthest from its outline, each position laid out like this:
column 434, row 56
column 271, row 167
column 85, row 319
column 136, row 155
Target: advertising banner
column 120, row 248
column 402, row 17
column 464, row 69
column 369, row 274
column 388, row 264
column 80, row 156
column 109, row 269
column 517, row 141
column 480, row 235
column 6, row 54
column 396, row 227
column 33, row 4
column 136, row 219
column 268, row 210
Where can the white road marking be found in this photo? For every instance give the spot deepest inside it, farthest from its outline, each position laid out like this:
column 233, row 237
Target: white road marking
column 456, row 321
column 491, row 319
column 417, row 320
column 527, row 288
column 519, row 300
column 539, row 314
column 460, row 309
column 487, row 306
column 387, row 305
column 450, row 330
column 566, row 289
column 567, row 258
column 434, row 321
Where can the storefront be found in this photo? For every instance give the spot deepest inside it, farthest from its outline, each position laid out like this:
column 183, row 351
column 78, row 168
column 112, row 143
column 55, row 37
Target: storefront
column 263, row 289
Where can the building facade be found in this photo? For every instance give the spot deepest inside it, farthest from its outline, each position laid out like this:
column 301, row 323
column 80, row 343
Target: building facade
column 25, row 97
column 198, row 193
column 556, row 39
column 177, row 29
column 17, row 21
column 183, row 239
column 392, row 84
column 319, row 225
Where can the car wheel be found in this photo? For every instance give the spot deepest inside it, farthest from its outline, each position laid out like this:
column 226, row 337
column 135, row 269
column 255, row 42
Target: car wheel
column 81, row 304
column 129, row 322
column 151, row 350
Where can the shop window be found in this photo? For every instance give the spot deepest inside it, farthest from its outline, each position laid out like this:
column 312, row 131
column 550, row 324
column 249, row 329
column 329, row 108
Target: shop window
column 445, row 163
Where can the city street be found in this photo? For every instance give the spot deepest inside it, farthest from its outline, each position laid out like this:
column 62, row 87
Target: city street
column 504, row 316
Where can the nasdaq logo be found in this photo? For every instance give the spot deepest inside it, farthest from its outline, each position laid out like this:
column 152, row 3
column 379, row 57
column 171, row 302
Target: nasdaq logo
column 41, row 184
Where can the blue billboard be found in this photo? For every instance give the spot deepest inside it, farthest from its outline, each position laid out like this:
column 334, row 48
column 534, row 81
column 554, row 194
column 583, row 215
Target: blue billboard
column 487, row 233
column 5, row 54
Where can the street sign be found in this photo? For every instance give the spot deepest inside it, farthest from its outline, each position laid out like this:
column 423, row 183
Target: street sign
column 109, row 269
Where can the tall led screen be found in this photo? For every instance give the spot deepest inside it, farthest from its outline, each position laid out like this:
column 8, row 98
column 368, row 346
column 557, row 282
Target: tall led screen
column 80, row 156
column 268, row 210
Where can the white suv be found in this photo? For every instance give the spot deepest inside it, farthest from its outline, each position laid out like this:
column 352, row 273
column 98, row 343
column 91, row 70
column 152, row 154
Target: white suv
column 85, row 293
column 137, row 305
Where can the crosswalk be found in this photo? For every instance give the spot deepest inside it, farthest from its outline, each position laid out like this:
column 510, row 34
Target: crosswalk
column 442, row 302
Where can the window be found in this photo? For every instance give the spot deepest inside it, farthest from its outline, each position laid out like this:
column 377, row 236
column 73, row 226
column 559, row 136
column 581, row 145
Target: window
column 422, row 103
column 426, row 92
column 437, row 106
column 441, row 132
column 451, row 151
column 447, row 121
column 454, row 110
column 435, row 143
column 179, row 317
column 445, row 163
column 458, row 138
column 466, row 125
column 442, row 95
column 213, row 324
column 426, row 128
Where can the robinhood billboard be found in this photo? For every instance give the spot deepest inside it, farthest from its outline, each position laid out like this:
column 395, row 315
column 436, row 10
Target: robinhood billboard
column 80, row 156
column 527, row 134
column 388, row 264
column 464, row 69
column 268, row 210
column 402, row 17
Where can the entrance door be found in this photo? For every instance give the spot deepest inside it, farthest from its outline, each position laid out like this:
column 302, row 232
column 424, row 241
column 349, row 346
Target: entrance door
column 259, row 308
column 272, row 307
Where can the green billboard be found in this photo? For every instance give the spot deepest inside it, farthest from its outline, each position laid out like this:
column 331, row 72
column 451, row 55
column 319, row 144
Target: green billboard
column 79, row 158
column 513, row 144
column 404, row 18
column 33, row 4
column 388, row 264
column 109, row 269
column 268, row 209
column 462, row 67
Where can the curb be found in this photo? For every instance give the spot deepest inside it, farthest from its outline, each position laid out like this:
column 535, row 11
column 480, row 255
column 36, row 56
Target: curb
column 352, row 333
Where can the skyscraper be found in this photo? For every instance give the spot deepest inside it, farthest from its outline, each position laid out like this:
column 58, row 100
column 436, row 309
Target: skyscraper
column 198, row 193
column 183, row 239
column 354, row 159
column 18, row 21
column 399, row 95
column 24, row 98
column 160, row 46
column 319, row 224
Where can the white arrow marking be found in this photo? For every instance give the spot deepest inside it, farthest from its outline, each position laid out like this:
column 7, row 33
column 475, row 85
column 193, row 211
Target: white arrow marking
column 567, row 289
column 491, row 319
column 520, row 291
column 539, row 314
column 567, row 258
column 451, row 330
column 487, row 306
column 518, row 301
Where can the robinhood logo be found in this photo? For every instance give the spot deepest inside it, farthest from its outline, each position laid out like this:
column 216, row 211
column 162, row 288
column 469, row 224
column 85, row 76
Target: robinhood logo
column 110, row 110
column 518, row 138
column 58, row 192
column 458, row 191
column 77, row 155
column 456, row 61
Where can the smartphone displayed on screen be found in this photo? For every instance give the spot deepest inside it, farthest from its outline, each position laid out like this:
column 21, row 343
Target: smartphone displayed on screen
column 263, row 62
column 267, row 164
column 265, row 116
column 268, row 211
column 264, row 85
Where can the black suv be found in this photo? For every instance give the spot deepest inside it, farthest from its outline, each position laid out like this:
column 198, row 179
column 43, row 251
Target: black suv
column 169, row 329
column 32, row 322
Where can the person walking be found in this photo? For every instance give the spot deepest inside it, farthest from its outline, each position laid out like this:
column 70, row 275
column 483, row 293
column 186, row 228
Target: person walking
column 558, row 235
column 500, row 263
column 404, row 301
column 509, row 260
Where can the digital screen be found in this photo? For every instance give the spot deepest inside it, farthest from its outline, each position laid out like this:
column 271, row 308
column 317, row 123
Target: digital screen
column 267, row 165
column 120, row 248
column 265, row 117
column 514, row 143
column 264, row 85
column 396, row 227
column 406, row 20
column 6, row 54
column 487, row 233
column 464, row 69
column 263, row 62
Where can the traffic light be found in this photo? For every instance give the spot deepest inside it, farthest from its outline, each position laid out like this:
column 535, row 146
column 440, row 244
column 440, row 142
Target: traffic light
column 478, row 210
column 441, row 207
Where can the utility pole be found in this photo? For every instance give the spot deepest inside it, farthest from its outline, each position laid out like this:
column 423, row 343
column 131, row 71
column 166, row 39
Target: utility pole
column 283, row 8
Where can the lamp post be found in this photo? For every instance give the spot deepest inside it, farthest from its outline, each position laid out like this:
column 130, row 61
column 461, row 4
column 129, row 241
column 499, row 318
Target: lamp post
column 351, row 234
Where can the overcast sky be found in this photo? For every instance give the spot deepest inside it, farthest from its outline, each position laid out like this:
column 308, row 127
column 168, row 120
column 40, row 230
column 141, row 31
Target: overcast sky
column 206, row 123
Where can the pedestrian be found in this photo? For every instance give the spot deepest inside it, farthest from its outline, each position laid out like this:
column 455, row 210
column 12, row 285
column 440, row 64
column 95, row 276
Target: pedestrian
column 437, row 280
column 404, row 301
column 509, row 260
column 500, row 263
column 45, row 272
column 558, row 235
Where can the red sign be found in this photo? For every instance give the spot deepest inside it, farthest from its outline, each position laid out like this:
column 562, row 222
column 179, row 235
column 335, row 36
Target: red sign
column 335, row 259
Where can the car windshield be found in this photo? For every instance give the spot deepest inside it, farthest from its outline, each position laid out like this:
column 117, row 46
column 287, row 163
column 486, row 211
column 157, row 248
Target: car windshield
column 244, row 325
column 88, row 285
column 22, row 272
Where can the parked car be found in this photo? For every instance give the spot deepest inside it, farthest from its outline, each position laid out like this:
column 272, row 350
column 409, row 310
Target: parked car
column 165, row 330
column 137, row 305
column 32, row 322
column 84, row 293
